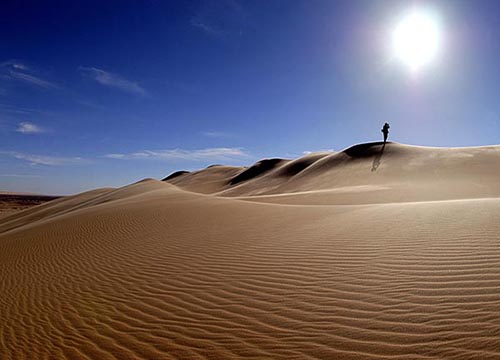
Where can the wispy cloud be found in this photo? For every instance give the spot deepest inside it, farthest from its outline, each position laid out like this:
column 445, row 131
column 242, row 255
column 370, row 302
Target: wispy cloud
column 209, row 154
column 112, row 80
column 307, row 152
column 29, row 128
column 6, row 108
column 35, row 159
column 18, row 71
column 32, row 80
column 14, row 64
column 220, row 19
column 20, row 175
column 217, row 134
column 205, row 26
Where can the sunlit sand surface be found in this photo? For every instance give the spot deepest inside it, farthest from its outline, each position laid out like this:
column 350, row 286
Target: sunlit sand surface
column 360, row 254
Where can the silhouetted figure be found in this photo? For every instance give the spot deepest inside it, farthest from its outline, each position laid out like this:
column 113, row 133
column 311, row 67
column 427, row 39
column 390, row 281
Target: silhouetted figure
column 385, row 131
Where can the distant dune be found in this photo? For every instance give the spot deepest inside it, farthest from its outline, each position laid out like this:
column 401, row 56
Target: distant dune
column 362, row 174
column 369, row 253
column 13, row 202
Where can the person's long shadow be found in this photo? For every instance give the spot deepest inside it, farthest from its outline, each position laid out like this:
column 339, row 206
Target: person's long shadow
column 378, row 158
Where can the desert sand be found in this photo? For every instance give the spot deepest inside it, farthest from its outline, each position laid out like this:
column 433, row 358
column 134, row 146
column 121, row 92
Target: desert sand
column 357, row 254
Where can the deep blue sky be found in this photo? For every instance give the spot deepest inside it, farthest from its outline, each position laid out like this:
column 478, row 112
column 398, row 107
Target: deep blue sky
column 105, row 93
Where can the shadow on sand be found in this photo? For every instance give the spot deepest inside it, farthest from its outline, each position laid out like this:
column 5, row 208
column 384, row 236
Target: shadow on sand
column 367, row 150
column 378, row 158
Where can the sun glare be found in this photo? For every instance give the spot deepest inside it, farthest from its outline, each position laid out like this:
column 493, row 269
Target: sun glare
column 416, row 39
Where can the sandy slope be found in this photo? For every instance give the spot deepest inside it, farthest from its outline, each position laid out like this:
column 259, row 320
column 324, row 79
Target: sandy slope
column 153, row 271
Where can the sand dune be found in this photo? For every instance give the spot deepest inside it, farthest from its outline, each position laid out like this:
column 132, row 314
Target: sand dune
column 315, row 258
column 369, row 173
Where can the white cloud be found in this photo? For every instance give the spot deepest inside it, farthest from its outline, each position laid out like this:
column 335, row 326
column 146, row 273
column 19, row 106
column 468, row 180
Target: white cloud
column 29, row 128
column 216, row 134
column 209, row 154
column 112, row 80
column 307, row 152
column 35, row 159
column 20, row 66
column 115, row 156
column 20, row 175
column 11, row 109
column 32, row 80
column 15, row 70
column 206, row 27
column 14, row 64
column 221, row 18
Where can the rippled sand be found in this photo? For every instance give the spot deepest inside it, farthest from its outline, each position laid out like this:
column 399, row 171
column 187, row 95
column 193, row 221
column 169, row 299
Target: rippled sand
column 153, row 271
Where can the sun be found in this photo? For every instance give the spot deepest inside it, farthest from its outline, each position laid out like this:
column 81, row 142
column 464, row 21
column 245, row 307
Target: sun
column 416, row 39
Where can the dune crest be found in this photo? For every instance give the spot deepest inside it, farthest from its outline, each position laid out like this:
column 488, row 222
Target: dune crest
column 396, row 172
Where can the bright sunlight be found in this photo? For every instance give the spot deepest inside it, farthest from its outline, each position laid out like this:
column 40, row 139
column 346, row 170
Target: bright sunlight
column 416, row 39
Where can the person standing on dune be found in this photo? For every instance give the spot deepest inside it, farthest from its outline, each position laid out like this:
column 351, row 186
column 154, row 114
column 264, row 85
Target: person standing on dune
column 385, row 131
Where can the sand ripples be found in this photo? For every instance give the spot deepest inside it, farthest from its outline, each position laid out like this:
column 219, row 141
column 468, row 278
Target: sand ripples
column 162, row 274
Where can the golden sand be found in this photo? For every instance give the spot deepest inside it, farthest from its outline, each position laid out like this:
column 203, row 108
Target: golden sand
column 350, row 255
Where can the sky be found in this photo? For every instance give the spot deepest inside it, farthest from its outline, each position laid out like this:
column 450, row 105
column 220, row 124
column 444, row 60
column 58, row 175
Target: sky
column 105, row 93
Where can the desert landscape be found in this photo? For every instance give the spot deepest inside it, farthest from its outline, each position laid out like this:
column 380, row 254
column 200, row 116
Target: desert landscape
column 235, row 179
column 373, row 252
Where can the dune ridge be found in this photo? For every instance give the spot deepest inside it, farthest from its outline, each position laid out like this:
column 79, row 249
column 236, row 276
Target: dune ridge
column 295, row 266
column 395, row 173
